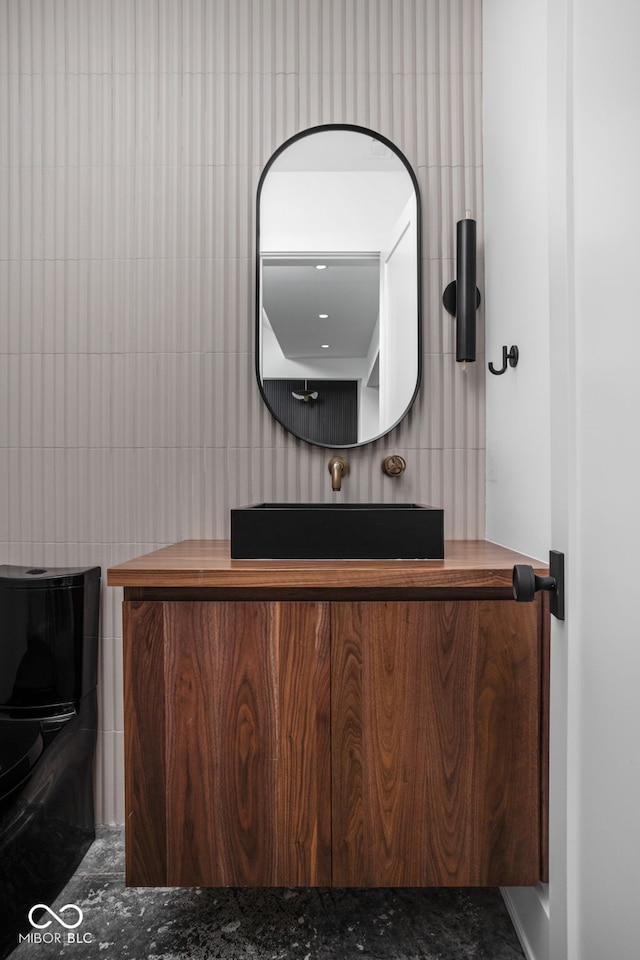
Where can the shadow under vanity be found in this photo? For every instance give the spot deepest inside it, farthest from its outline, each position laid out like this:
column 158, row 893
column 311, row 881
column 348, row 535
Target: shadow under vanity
column 354, row 723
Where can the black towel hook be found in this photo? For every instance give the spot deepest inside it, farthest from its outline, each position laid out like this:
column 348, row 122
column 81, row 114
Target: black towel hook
column 511, row 357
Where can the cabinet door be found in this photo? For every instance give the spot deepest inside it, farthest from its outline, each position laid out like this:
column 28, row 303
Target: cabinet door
column 227, row 739
column 436, row 718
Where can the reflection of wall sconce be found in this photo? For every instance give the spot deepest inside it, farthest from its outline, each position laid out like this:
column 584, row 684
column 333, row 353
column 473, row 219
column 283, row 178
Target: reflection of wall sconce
column 461, row 297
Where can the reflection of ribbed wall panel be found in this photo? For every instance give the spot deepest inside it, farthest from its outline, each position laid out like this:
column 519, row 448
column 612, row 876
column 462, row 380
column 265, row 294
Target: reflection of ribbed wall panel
column 136, row 134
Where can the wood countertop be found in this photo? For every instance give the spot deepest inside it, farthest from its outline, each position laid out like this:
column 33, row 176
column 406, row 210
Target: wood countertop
column 469, row 565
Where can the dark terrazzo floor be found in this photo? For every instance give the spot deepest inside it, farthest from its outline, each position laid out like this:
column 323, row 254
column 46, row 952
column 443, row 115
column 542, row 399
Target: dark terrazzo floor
column 232, row 924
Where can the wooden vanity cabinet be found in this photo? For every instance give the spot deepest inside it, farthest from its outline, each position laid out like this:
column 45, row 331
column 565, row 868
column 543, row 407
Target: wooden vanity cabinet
column 436, row 743
column 227, row 740
column 278, row 742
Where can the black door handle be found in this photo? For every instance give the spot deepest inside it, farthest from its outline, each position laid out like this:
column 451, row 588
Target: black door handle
column 526, row 583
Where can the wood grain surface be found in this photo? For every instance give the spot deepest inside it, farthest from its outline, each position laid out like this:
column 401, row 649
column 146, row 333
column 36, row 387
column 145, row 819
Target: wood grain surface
column 436, row 766
column 544, row 630
column 144, row 744
column 200, row 564
column 246, row 737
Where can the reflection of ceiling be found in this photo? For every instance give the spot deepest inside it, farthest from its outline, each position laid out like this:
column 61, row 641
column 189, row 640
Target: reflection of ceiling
column 294, row 293
column 338, row 150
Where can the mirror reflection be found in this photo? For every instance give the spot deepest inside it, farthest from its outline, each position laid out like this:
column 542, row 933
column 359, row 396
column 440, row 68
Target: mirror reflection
column 337, row 333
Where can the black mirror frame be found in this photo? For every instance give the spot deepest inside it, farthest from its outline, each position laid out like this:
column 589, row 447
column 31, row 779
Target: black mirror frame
column 366, row 131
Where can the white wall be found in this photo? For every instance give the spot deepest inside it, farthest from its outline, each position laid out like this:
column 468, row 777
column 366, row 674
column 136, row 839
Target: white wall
column 606, row 204
column 136, row 133
column 516, row 273
column 398, row 364
column 349, row 211
column 593, row 139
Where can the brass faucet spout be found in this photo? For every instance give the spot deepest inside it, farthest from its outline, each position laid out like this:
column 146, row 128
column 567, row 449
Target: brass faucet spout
column 338, row 468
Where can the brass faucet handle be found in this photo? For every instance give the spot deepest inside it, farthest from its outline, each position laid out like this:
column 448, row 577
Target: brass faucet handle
column 394, row 465
column 338, row 468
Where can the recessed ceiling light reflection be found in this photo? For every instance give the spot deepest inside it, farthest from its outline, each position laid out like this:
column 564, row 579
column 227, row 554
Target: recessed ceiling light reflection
column 323, row 316
column 321, row 266
column 325, row 346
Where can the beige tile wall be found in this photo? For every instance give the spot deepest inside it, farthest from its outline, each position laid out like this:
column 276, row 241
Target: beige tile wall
column 133, row 136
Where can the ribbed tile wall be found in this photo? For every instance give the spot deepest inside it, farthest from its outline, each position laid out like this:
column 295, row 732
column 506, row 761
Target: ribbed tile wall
column 133, row 136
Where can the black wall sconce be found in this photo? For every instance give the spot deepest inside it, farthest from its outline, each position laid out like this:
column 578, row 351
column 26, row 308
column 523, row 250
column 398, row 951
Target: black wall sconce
column 461, row 297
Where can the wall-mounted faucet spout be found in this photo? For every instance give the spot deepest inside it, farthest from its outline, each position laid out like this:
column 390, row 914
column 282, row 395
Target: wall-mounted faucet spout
column 338, row 468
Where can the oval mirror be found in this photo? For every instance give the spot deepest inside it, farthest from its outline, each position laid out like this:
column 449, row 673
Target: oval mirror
column 338, row 341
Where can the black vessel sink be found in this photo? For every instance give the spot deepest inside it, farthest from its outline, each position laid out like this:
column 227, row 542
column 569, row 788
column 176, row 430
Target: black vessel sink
column 337, row 531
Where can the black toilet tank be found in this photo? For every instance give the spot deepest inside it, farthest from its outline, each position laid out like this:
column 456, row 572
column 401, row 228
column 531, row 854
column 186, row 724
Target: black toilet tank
column 48, row 635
